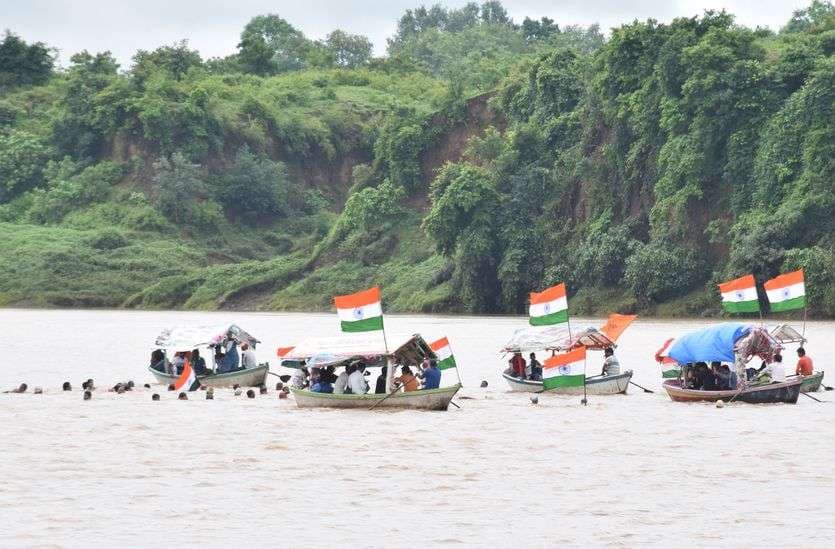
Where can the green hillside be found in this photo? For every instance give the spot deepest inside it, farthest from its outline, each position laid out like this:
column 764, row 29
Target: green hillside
column 480, row 159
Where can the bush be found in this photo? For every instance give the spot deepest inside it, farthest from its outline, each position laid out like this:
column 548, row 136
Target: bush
column 818, row 266
column 254, row 186
column 656, row 272
column 108, row 239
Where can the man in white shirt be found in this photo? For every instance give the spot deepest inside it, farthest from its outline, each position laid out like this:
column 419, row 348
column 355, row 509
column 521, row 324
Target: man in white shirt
column 356, row 381
column 248, row 359
column 777, row 370
column 611, row 366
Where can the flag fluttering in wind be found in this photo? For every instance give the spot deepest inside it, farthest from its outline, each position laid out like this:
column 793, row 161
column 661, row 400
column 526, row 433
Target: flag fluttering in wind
column 669, row 367
column 786, row 292
column 444, row 352
column 740, row 295
column 565, row 370
column 616, row 324
column 187, row 380
column 281, row 352
column 360, row 312
column 549, row 306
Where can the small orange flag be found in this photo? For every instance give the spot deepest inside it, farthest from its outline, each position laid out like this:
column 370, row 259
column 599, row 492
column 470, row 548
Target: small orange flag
column 616, row 325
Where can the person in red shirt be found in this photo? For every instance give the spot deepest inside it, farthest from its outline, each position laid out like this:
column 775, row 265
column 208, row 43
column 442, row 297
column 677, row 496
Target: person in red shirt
column 804, row 363
column 517, row 363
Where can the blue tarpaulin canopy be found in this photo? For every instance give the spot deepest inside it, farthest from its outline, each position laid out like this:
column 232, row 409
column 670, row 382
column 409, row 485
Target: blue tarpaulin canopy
column 709, row 344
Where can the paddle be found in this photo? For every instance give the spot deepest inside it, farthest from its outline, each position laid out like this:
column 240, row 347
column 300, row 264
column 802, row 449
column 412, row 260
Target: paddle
column 813, row 398
column 826, row 388
column 644, row 388
column 285, row 378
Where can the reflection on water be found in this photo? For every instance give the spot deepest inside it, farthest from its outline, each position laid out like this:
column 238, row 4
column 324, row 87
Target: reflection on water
column 626, row 470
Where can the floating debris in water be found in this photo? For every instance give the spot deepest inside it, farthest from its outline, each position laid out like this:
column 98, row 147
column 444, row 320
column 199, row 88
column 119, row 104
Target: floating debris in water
column 720, row 403
column 534, row 399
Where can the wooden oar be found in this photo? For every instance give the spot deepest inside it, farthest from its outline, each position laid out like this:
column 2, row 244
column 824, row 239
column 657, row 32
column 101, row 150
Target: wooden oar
column 384, row 398
column 810, row 396
column 639, row 387
column 285, row 378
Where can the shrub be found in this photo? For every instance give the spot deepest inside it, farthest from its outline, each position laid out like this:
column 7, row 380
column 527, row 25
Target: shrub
column 656, row 272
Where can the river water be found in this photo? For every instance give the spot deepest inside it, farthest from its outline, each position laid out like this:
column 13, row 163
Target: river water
column 625, row 470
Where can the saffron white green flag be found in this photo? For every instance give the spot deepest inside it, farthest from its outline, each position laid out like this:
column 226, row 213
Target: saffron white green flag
column 360, row 312
column 442, row 349
column 740, row 295
column 187, row 380
column 549, row 306
column 786, row 292
column 565, row 370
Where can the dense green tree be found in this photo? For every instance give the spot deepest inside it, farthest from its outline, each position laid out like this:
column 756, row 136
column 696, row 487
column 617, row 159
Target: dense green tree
column 254, row 187
column 348, row 50
column 23, row 64
column 271, row 45
column 176, row 60
column 22, row 158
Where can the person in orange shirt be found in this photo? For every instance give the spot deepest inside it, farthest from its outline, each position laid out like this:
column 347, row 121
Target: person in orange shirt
column 407, row 380
column 804, row 363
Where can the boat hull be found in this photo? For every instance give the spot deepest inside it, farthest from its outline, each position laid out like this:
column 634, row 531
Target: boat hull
column 251, row 377
column 602, row 385
column 432, row 399
column 786, row 392
column 811, row 384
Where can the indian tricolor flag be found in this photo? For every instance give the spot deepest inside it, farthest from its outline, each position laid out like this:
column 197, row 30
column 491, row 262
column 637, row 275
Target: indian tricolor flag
column 669, row 367
column 740, row 295
column 187, row 380
column 442, row 349
column 565, row 370
column 549, row 306
column 360, row 312
column 786, row 292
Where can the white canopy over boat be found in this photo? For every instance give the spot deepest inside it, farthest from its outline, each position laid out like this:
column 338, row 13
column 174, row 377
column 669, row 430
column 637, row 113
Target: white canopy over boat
column 186, row 338
column 786, row 334
column 557, row 337
column 324, row 351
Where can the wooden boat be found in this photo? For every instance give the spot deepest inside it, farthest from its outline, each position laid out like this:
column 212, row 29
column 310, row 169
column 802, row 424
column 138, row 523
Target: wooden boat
column 559, row 339
column 183, row 339
column 787, row 392
column 431, row 399
column 251, row 377
column 811, row 384
column 597, row 385
column 373, row 351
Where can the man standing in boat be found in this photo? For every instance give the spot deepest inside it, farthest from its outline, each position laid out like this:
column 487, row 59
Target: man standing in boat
column 611, row 366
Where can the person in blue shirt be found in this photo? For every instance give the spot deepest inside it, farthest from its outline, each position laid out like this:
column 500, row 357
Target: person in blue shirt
column 231, row 359
column 431, row 375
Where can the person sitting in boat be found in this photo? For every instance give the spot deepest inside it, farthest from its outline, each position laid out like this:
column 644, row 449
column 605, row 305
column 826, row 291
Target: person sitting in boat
column 158, row 361
column 328, row 375
column 198, row 363
column 356, row 380
column 431, row 375
column 248, row 360
column 705, row 380
column 517, row 365
column 611, row 366
column 534, row 368
column 804, row 363
column 408, row 381
column 381, row 381
column 341, row 383
column 177, row 365
column 321, row 384
column 722, row 374
column 299, row 379
column 690, row 380
column 774, row 372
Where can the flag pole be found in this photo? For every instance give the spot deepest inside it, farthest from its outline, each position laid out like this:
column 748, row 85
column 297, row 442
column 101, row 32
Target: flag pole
column 457, row 373
column 585, row 401
column 805, row 307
